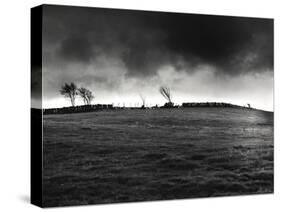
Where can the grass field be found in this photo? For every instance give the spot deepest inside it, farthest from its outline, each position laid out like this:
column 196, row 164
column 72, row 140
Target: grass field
column 140, row 155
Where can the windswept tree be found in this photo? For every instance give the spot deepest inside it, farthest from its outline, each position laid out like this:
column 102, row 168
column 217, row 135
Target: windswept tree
column 143, row 100
column 69, row 91
column 86, row 95
column 165, row 91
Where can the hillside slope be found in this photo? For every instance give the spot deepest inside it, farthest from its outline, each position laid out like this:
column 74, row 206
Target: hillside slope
column 137, row 155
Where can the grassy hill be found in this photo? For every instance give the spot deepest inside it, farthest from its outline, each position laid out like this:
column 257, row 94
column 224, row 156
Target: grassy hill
column 138, row 155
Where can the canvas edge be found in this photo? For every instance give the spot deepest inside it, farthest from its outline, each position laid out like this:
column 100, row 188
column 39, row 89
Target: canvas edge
column 36, row 161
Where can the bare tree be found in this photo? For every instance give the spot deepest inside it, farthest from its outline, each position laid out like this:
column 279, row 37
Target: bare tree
column 83, row 93
column 143, row 100
column 90, row 97
column 165, row 91
column 69, row 91
column 86, row 95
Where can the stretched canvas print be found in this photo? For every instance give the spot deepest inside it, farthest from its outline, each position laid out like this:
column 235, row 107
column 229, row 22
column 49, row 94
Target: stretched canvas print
column 134, row 105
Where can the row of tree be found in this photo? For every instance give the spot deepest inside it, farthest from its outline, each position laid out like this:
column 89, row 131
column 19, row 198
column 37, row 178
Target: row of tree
column 166, row 93
column 71, row 91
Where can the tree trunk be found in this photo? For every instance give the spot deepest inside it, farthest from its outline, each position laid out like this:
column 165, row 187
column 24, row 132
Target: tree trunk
column 72, row 101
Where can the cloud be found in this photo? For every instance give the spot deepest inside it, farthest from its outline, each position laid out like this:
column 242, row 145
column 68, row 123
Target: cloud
column 147, row 40
column 111, row 49
column 76, row 49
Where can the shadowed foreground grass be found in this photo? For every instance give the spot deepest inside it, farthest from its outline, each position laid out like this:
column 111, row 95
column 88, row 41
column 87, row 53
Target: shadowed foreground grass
column 141, row 155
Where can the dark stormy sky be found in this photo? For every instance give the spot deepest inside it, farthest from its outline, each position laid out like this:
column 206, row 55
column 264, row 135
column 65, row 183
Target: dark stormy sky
column 119, row 54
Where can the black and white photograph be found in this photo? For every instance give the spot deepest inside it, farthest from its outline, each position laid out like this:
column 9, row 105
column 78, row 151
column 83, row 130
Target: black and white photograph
column 143, row 105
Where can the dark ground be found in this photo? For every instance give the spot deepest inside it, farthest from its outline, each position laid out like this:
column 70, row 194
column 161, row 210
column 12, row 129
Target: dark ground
column 141, row 155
